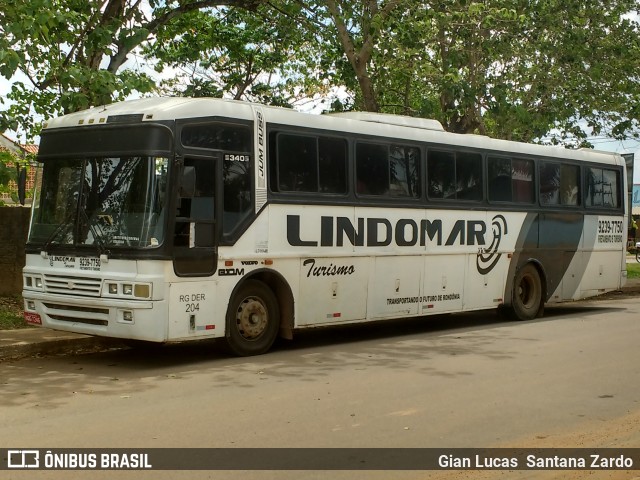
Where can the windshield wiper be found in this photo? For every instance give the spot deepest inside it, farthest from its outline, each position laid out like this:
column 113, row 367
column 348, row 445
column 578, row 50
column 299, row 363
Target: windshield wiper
column 98, row 238
column 62, row 228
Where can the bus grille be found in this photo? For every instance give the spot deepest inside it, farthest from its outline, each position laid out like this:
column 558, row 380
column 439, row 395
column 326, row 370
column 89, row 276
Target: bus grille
column 88, row 287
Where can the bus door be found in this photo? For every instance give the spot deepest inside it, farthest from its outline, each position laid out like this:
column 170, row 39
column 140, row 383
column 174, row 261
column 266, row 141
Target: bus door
column 195, row 232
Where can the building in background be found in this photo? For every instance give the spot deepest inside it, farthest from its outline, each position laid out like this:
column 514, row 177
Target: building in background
column 20, row 151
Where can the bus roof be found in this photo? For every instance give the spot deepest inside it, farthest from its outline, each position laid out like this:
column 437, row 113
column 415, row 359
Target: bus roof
column 363, row 123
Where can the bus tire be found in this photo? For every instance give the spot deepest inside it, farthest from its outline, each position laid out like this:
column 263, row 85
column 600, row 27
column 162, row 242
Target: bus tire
column 253, row 319
column 527, row 301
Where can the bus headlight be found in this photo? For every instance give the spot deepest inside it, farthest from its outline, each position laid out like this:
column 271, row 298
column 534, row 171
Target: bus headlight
column 33, row 282
column 127, row 289
column 142, row 290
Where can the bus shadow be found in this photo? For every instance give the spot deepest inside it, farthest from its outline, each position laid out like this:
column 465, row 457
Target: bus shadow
column 445, row 324
column 392, row 330
column 443, row 346
column 577, row 309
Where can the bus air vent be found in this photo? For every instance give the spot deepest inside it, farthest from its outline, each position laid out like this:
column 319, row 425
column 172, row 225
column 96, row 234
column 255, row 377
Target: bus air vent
column 387, row 119
column 77, row 314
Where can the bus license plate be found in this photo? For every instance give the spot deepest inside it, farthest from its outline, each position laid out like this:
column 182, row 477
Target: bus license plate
column 32, row 318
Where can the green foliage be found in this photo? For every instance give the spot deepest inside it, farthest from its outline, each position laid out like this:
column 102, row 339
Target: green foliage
column 633, row 270
column 70, row 54
column 59, row 47
column 6, row 175
column 232, row 53
column 9, row 164
column 8, row 171
column 511, row 69
column 553, row 69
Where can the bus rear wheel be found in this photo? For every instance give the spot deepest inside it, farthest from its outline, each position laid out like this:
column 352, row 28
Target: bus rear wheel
column 527, row 302
column 253, row 319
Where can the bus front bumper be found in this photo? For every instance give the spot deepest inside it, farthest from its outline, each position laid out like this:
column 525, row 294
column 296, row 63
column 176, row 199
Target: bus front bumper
column 139, row 319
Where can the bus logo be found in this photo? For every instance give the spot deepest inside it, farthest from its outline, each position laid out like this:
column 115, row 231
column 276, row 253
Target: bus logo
column 488, row 257
column 405, row 232
column 261, row 150
column 231, row 272
column 23, row 459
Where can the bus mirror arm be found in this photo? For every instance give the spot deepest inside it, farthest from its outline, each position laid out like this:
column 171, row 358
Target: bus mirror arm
column 187, row 187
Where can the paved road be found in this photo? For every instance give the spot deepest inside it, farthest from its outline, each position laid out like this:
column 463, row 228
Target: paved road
column 569, row 379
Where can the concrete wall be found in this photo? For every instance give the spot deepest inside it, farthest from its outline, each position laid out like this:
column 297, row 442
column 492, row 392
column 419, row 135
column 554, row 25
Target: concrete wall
column 14, row 226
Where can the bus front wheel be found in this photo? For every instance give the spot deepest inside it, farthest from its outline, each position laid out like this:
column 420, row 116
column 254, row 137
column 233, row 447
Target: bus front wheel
column 252, row 319
column 527, row 302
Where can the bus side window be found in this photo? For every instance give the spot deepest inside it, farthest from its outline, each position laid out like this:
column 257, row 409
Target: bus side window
column 237, row 203
column 610, row 191
column 522, row 181
column 500, row 179
column 559, row 184
column 297, row 163
column 332, row 165
column 468, row 176
column 441, row 174
column 387, row 170
column 549, row 183
column 194, row 225
column 570, row 185
column 372, row 169
column 601, row 188
column 404, row 171
column 593, row 187
column 511, row 180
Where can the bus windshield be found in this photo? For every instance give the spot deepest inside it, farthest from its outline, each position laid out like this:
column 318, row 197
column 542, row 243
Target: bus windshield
column 104, row 202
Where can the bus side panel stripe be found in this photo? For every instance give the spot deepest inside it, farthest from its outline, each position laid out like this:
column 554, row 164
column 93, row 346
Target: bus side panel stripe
column 551, row 240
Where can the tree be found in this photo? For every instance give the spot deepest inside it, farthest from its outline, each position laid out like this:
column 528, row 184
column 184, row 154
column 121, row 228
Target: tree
column 511, row 69
column 358, row 25
column 69, row 54
column 515, row 69
column 574, row 74
column 229, row 52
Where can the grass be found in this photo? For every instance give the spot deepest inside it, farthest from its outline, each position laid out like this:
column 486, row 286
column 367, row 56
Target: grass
column 11, row 313
column 633, row 270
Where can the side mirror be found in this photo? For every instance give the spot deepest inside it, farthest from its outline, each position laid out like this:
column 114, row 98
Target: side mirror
column 187, row 188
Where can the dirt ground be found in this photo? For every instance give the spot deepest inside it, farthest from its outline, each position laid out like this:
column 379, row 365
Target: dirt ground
column 12, row 304
column 623, row 432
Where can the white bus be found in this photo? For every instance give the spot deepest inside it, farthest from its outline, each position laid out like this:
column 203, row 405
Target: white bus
column 172, row 219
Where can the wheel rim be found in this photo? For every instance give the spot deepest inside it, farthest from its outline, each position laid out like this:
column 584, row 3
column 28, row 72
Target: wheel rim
column 252, row 318
column 527, row 292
